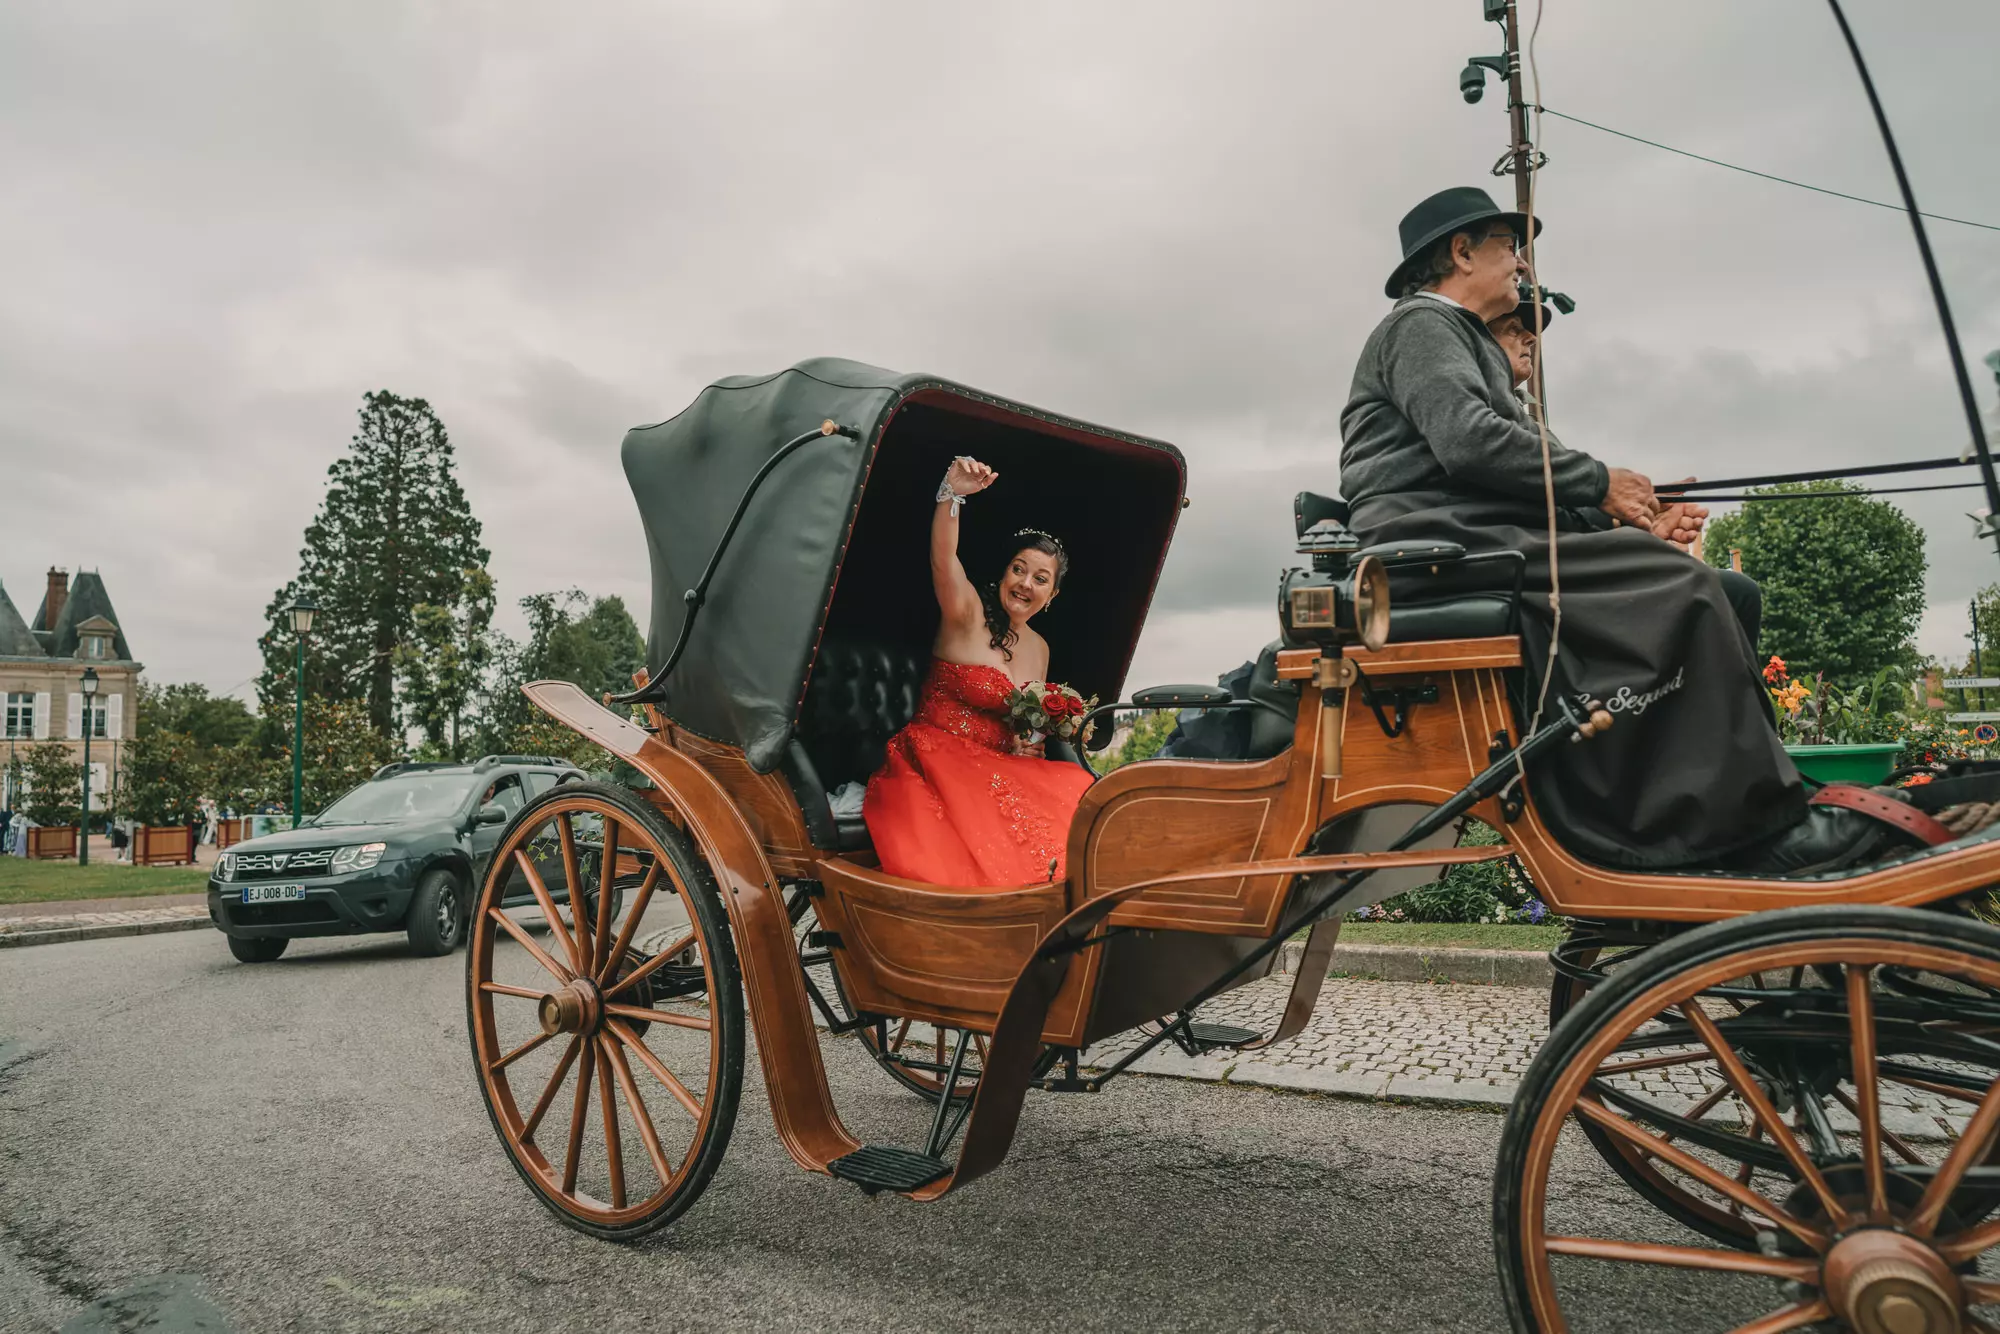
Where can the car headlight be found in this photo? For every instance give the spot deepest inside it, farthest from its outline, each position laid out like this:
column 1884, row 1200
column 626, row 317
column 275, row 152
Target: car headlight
column 359, row 856
column 225, row 867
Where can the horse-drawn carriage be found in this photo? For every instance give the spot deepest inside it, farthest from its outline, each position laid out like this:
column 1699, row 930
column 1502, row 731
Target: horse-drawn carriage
column 1808, row 1088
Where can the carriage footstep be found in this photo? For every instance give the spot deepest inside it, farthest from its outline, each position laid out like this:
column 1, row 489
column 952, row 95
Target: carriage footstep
column 1209, row 1036
column 876, row 1167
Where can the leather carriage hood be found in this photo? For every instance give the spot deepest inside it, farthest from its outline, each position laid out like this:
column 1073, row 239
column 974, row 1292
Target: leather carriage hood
column 742, row 677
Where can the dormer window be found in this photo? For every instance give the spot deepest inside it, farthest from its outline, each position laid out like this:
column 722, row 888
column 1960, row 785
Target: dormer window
column 94, row 646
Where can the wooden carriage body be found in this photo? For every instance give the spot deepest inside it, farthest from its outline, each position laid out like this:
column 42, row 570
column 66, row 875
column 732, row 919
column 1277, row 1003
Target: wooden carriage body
column 1183, row 877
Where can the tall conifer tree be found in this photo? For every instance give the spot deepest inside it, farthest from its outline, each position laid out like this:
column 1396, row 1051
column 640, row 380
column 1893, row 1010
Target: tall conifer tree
column 394, row 533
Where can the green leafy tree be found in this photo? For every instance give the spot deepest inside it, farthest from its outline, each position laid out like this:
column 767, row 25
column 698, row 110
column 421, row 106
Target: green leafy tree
column 54, row 784
column 206, row 720
column 1148, row 733
column 342, row 749
column 1843, row 578
column 162, row 777
column 445, row 660
column 594, row 643
column 394, row 533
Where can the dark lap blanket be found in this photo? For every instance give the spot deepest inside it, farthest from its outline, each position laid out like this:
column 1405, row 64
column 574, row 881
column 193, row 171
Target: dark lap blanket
column 1692, row 769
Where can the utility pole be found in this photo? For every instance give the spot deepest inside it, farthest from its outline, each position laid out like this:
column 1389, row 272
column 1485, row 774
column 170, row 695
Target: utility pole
column 1521, row 159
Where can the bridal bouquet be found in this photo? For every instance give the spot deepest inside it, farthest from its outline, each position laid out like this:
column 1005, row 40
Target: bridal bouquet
column 1043, row 708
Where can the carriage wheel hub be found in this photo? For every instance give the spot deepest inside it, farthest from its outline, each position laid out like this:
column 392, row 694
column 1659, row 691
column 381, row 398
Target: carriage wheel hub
column 1883, row 1282
column 575, row 1008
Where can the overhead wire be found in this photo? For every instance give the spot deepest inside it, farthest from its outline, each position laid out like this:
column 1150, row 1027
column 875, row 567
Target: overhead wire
column 1750, row 171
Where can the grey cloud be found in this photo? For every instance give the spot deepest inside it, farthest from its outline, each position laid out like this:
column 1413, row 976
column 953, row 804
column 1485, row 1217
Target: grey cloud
column 237, row 218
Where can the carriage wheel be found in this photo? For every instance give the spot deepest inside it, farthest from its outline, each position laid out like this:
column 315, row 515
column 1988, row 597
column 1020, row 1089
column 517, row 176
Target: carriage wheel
column 1851, row 1045
column 915, row 1053
column 609, row 1048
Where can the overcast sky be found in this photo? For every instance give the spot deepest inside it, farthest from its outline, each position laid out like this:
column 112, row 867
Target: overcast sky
column 225, row 223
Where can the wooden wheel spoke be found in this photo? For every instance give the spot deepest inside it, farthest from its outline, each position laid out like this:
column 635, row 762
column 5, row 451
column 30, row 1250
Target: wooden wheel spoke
column 1928, row 1086
column 1980, row 1291
column 1684, row 1257
column 527, row 942
column 666, row 1077
column 896, row 1043
column 614, row 1149
column 1972, row 1146
column 1889, row 1137
column 630, row 1088
column 520, row 1051
column 1867, row 1089
column 695, row 1021
column 1700, row 1171
column 579, row 1116
column 607, row 873
column 651, row 966
column 548, row 906
column 573, row 886
column 1963, row 1246
column 502, row 989
column 1759, row 1103
column 549, row 1091
column 609, row 963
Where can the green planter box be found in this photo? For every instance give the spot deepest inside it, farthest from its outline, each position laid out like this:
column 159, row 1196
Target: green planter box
column 1846, row 764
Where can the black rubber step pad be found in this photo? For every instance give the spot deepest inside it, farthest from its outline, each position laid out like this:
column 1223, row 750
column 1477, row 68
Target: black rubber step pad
column 876, row 1167
column 1221, row 1035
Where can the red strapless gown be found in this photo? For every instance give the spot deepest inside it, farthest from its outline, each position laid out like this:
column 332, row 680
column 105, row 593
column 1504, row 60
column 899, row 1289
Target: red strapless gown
column 952, row 805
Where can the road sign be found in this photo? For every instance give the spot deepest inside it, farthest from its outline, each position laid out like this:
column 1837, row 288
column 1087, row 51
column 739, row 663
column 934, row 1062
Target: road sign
column 1986, row 734
column 1970, row 682
column 1987, row 717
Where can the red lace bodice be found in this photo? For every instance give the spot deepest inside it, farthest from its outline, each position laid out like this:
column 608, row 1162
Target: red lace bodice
column 968, row 700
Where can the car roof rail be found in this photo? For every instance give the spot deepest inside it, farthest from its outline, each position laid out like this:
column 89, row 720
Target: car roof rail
column 493, row 761
column 412, row 766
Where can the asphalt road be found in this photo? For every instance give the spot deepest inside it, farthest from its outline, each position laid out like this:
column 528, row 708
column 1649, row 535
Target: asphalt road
column 301, row 1146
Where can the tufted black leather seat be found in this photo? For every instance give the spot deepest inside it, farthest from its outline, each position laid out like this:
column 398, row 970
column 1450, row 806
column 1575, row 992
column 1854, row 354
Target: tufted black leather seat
column 862, row 693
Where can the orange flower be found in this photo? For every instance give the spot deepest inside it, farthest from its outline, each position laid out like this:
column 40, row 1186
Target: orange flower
column 1775, row 670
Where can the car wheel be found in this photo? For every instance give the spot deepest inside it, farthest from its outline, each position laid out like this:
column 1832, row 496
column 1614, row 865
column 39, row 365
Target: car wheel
column 257, row 949
column 437, row 914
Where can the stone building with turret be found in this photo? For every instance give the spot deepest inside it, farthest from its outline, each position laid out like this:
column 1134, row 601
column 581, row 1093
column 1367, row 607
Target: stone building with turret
column 41, row 678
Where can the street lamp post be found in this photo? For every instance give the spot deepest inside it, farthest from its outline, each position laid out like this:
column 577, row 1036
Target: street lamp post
column 302, row 610
column 89, row 717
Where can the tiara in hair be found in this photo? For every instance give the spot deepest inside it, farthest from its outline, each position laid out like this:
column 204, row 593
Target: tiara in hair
column 1036, row 532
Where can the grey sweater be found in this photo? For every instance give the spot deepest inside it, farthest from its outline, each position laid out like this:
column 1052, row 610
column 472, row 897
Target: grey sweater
column 1432, row 410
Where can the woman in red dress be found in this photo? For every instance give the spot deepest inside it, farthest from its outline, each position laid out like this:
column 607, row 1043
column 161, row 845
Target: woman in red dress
column 959, row 800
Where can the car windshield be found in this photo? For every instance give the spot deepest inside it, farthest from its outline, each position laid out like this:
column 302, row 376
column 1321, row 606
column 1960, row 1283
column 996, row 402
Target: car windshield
column 405, row 797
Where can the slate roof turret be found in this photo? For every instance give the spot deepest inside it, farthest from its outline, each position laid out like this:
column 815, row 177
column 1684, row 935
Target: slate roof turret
column 16, row 640
column 87, row 598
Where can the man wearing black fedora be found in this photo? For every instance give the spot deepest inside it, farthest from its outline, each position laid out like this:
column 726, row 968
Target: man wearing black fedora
column 1436, row 447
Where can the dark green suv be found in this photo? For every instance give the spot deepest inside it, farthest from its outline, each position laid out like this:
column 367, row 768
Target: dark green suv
column 402, row 852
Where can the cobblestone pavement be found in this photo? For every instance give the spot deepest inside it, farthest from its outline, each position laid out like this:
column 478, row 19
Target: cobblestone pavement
column 1413, row 1041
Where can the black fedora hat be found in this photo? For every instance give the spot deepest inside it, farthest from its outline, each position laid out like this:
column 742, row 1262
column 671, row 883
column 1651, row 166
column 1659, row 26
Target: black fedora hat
column 1526, row 312
column 1448, row 211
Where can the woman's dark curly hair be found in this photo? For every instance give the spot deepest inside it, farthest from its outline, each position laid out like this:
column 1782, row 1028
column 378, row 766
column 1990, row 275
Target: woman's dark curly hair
column 997, row 621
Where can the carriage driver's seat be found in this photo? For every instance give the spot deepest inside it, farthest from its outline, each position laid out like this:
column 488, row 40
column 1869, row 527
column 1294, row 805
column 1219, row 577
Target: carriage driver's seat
column 1431, row 595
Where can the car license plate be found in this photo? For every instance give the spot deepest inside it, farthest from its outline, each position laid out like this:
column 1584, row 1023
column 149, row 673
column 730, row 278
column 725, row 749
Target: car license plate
column 273, row 893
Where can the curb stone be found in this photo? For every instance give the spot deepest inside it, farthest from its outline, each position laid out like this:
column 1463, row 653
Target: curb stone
column 63, row 935
column 1416, row 963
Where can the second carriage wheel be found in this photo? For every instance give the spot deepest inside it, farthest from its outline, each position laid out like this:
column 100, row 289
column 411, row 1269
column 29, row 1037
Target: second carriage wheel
column 916, row 1053
column 608, row 1041
column 1824, row 1077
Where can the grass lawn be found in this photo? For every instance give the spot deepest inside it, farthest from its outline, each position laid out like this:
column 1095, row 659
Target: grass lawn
column 23, row 881
column 1453, row 935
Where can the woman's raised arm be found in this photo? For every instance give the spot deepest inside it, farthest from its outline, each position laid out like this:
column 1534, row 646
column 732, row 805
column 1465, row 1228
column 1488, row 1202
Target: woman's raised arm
column 957, row 598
